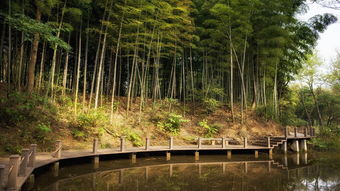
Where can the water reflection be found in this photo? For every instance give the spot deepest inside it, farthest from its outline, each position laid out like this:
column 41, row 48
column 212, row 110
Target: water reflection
column 286, row 172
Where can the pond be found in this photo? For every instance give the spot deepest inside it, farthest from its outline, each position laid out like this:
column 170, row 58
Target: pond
column 312, row 171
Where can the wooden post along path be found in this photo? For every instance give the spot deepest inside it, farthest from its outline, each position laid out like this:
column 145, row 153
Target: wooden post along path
column 19, row 168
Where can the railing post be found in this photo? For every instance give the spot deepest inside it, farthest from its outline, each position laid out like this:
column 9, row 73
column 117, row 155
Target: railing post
column 305, row 131
column 268, row 142
column 199, row 142
column 23, row 166
column 286, row 132
column 2, row 176
column 147, row 143
column 223, row 142
column 95, row 146
column 33, row 151
column 58, row 146
column 295, row 131
column 122, row 143
column 245, row 142
column 13, row 173
column 171, row 143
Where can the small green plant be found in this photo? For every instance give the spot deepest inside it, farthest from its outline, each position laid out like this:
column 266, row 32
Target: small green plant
column 266, row 112
column 171, row 123
column 208, row 130
column 133, row 137
column 87, row 124
column 42, row 133
column 78, row 134
column 211, row 104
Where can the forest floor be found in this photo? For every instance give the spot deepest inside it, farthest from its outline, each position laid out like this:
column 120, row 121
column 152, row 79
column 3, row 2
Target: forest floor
column 27, row 119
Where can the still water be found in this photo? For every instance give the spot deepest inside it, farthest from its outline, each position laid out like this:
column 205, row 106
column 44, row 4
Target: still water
column 317, row 171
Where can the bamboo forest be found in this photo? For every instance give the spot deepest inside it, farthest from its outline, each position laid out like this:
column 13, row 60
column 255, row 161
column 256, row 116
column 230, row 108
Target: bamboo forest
column 202, row 77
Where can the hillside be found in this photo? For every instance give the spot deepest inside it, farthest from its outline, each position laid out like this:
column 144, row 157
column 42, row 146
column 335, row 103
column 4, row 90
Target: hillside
column 35, row 119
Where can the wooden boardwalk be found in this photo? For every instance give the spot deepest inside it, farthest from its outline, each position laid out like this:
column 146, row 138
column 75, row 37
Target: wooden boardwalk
column 15, row 171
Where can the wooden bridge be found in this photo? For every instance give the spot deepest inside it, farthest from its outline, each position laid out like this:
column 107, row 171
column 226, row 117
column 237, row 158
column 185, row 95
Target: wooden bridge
column 15, row 171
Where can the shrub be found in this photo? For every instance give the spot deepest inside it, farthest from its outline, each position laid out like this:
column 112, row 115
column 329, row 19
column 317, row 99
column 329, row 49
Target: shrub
column 88, row 124
column 211, row 104
column 133, row 137
column 171, row 123
column 267, row 112
column 208, row 130
column 41, row 133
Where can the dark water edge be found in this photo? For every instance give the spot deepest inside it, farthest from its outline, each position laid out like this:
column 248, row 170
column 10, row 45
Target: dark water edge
column 312, row 171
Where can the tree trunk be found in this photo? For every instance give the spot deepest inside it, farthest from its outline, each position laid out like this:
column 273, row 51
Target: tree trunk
column 34, row 52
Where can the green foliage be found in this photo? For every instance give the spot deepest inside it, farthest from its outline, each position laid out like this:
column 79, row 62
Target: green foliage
column 133, row 137
column 266, row 112
column 30, row 27
column 328, row 138
column 210, row 104
column 21, row 107
column 171, row 123
column 87, row 125
column 208, row 130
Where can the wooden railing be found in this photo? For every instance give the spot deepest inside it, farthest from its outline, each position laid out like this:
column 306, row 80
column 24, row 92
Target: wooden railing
column 18, row 166
column 299, row 132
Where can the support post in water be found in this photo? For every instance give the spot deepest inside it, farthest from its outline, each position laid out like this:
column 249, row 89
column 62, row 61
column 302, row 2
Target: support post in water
column 24, row 162
column 268, row 142
column 270, row 153
column 95, row 146
column 197, row 155
column 55, row 169
column 133, row 158
column 199, row 142
column 168, row 156
column 303, row 145
column 245, row 142
column 122, row 143
column 229, row 154
column 256, row 154
column 95, row 162
column 171, row 143
column 284, row 147
column 14, row 161
column 33, row 150
column 147, row 143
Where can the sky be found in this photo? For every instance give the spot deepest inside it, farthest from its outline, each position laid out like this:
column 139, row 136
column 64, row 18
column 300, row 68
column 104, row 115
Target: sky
column 329, row 42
